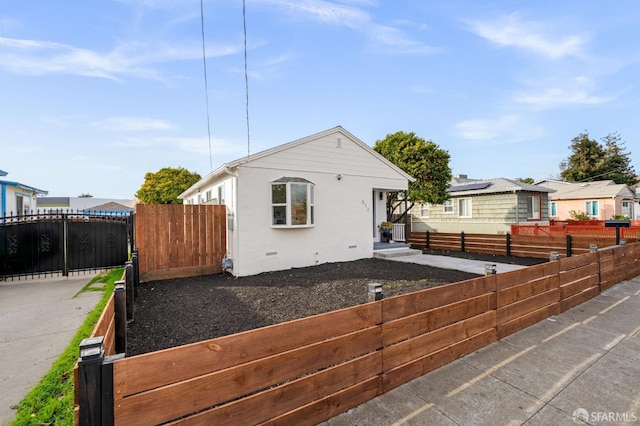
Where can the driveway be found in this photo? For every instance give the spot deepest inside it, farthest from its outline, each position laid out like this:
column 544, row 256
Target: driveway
column 38, row 318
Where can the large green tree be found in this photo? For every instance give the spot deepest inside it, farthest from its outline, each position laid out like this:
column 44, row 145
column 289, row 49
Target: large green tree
column 422, row 159
column 590, row 160
column 164, row 186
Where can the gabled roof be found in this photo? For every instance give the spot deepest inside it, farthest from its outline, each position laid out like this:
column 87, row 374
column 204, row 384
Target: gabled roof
column 111, row 207
column 228, row 167
column 462, row 186
column 24, row 187
column 586, row 190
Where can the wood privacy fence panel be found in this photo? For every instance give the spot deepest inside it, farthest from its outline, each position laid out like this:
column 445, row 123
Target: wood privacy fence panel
column 538, row 247
column 324, row 355
column 589, row 228
column 618, row 264
column 514, row 245
column 427, row 329
column 180, row 240
column 485, row 243
column 526, row 296
column 308, row 370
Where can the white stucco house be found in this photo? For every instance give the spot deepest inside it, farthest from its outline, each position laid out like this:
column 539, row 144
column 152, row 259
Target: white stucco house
column 315, row 200
column 17, row 198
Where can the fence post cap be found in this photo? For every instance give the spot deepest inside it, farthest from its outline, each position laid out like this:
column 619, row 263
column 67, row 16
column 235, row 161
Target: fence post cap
column 92, row 348
column 490, row 268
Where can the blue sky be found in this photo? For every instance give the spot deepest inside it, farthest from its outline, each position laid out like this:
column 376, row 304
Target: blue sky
column 97, row 93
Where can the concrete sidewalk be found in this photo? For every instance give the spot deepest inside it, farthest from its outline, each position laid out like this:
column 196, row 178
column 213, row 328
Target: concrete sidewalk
column 38, row 318
column 581, row 364
column 449, row 262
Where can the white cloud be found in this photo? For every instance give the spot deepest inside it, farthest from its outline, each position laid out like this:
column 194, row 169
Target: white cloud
column 34, row 57
column 576, row 91
column 420, row 88
column 505, row 129
column 512, row 31
column 200, row 145
column 359, row 20
column 174, row 145
column 133, row 124
column 558, row 96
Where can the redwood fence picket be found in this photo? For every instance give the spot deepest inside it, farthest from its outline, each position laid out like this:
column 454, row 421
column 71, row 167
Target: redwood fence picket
column 587, row 228
column 512, row 245
column 308, row 370
column 180, row 240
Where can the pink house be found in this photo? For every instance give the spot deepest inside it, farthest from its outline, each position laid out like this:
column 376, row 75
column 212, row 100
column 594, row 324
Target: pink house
column 600, row 200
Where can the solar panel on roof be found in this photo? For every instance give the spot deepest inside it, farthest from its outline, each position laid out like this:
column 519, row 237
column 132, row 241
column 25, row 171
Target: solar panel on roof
column 469, row 187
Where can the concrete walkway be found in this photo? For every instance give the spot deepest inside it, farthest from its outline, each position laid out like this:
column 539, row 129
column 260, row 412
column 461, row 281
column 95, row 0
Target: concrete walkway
column 38, row 319
column 448, row 262
column 581, row 364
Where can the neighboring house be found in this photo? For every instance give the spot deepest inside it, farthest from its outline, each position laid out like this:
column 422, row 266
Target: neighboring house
column 17, row 198
column 600, row 200
column 315, row 200
column 87, row 203
column 484, row 206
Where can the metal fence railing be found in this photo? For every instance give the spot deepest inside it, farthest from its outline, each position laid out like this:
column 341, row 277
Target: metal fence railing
column 59, row 241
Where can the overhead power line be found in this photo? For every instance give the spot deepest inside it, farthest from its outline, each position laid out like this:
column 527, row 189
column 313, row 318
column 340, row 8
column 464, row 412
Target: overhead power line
column 246, row 74
column 206, row 85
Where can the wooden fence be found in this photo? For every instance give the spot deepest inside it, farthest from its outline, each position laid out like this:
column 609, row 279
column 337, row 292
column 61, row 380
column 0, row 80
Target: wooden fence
column 510, row 245
column 309, row 370
column 180, row 240
column 589, row 229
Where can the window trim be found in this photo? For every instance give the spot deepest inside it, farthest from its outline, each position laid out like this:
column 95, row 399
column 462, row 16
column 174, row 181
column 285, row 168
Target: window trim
column 288, row 204
column 553, row 209
column 530, row 214
column 448, row 204
column 425, row 207
column 469, row 201
column 592, row 203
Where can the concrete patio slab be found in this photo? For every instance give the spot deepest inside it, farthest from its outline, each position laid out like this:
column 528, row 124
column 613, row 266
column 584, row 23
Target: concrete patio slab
column 456, row 263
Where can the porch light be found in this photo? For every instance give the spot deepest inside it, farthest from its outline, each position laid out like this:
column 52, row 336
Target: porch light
column 490, row 269
column 375, row 292
column 92, row 348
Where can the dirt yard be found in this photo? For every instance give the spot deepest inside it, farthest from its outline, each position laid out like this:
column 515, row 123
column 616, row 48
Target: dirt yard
column 175, row 312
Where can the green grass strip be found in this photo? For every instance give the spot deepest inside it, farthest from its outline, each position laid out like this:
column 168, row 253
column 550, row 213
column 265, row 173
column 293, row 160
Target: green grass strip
column 50, row 402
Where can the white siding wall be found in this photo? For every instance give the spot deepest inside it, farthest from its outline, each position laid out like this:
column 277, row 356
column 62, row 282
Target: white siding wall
column 9, row 203
column 344, row 207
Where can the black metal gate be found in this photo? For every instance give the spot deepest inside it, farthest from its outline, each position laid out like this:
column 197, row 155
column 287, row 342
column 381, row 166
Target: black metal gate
column 56, row 242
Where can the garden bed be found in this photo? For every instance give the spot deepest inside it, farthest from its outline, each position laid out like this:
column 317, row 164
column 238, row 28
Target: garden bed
column 175, row 312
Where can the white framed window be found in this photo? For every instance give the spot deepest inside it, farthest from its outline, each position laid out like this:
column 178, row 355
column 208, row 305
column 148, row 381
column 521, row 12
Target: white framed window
column 464, row 207
column 221, row 194
column 292, row 203
column 533, row 207
column 553, row 209
column 23, row 204
column 424, row 210
column 591, row 207
column 208, row 195
column 447, row 207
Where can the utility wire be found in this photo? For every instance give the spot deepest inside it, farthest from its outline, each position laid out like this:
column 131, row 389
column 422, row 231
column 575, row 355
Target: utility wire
column 246, row 74
column 206, row 85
